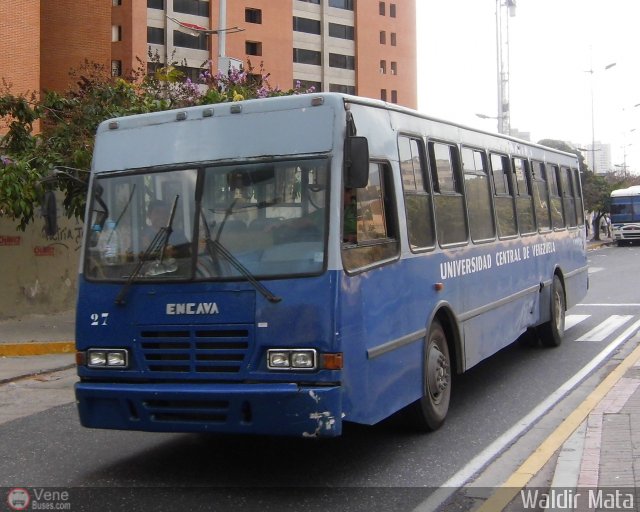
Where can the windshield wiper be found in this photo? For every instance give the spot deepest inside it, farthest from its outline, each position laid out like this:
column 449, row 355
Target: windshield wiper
column 214, row 248
column 157, row 246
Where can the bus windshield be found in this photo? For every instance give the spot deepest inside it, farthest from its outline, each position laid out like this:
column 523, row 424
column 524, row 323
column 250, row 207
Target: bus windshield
column 262, row 220
column 625, row 209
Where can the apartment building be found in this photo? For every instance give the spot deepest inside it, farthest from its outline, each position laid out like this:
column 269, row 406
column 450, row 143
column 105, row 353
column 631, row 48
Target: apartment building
column 363, row 47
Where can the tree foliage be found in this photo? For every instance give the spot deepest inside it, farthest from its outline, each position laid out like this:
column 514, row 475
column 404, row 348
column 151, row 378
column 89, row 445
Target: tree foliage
column 56, row 130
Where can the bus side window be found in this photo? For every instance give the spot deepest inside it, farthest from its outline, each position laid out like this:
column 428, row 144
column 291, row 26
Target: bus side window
column 541, row 197
column 376, row 238
column 503, row 198
column 555, row 201
column 524, row 202
column 577, row 190
column 451, row 223
column 417, row 196
column 478, row 195
column 568, row 197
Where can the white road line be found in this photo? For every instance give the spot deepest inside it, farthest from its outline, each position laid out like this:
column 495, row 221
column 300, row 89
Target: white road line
column 630, row 304
column 593, row 270
column 573, row 320
column 475, row 465
column 606, row 328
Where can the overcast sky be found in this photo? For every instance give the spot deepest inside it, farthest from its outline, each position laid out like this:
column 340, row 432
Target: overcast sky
column 553, row 45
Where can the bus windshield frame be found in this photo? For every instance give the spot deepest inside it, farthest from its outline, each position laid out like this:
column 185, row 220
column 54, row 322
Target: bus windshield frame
column 268, row 217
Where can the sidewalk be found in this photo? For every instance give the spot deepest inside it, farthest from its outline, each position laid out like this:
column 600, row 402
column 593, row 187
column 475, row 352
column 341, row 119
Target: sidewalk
column 48, row 340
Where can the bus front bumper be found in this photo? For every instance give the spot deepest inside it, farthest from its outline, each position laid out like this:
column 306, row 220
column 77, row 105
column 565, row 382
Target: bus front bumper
column 267, row 409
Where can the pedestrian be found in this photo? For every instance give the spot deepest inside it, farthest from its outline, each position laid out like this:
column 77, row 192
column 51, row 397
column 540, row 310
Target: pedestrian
column 608, row 224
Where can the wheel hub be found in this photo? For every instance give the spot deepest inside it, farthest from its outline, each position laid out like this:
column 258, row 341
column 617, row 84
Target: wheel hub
column 437, row 372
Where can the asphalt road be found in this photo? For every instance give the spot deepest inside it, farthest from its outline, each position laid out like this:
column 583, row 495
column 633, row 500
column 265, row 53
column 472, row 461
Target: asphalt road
column 368, row 468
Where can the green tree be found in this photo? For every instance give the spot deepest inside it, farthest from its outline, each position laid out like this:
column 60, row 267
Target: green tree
column 68, row 120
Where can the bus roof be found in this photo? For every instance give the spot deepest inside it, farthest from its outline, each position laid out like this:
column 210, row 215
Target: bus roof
column 623, row 192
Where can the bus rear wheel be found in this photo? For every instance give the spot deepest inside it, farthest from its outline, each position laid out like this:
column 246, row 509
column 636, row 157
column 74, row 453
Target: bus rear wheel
column 429, row 412
column 551, row 332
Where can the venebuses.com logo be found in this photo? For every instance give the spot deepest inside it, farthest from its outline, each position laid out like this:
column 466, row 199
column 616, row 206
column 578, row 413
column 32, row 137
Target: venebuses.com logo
column 18, row 499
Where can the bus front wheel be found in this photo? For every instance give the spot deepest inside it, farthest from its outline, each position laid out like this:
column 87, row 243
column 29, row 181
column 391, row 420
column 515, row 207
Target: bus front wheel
column 429, row 412
column 551, row 332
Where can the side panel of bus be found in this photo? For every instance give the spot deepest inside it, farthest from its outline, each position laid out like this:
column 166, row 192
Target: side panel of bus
column 485, row 294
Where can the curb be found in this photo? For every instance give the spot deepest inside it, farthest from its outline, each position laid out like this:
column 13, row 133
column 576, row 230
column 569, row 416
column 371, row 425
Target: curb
column 21, row 376
column 37, row 348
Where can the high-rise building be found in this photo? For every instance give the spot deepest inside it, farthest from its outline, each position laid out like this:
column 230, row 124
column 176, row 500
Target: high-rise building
column 363, row 47
column 599, row 157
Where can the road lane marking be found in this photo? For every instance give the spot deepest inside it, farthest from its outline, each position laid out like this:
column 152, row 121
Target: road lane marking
column 573, row 320
column 629, row 304
column 593, row 270
column 518, row 480
column 606, row 328
column 480, row 461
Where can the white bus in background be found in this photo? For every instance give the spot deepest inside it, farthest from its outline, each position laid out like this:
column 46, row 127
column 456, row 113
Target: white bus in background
column 625, row 214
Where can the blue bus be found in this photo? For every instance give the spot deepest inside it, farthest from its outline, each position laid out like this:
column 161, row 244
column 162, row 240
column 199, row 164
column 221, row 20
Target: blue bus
column 282, row 266
column 625, row 215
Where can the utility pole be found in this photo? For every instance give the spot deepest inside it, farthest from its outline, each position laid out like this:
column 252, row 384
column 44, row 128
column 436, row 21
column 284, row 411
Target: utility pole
column 503, row 12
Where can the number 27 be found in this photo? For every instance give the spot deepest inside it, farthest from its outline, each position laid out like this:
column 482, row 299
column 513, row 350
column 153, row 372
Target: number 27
column 99, row 318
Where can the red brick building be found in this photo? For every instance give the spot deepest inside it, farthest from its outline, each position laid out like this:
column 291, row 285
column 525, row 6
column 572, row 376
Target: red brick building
column 363, row 47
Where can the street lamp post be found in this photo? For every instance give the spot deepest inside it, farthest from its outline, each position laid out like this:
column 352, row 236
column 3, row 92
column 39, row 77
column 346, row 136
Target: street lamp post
column 593, row 123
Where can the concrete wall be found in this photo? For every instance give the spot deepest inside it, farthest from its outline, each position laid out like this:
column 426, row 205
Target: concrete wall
column 38, row 273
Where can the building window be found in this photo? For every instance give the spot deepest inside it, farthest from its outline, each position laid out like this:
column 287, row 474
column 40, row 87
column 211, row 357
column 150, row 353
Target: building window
column 393, row 39
column 342, row 4
column 253, row 16
column 341, row 31
column 381, row 8
column 383, row 67
column 302, row 56
column 192, row 74
column 116, row 3
column 306, row 25
column 394, row 68
column 345, row 89
column 183, row 40
column 155, row 35
column 383, row 94
column 307, row 85
column 196, row 7
column 253, row 48
column 155, row 4
column 116, row 33
column 338, row 60
column 383, row 37
column 116, row 68
column 317, row 2
column 394, row 96
column 392, row 10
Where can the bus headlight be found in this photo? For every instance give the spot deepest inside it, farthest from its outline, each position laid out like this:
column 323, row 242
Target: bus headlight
column 107, row 358
column 291, row 359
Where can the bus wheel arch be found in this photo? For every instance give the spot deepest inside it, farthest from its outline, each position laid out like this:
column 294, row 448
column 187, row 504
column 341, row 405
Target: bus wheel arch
column 552, row 331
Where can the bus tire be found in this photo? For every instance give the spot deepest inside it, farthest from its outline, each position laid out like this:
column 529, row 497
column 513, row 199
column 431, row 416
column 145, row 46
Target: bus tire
column 551, row 332
column 429, row 412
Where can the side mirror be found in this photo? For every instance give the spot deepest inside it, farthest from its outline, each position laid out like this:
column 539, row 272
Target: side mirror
column 356, row 162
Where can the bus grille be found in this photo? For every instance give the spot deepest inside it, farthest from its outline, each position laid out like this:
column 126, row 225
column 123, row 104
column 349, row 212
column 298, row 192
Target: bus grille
column 200, row 351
